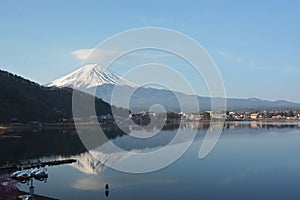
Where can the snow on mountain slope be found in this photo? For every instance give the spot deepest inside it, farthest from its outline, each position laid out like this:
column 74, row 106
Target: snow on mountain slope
column 96, row 161
column 89, row 76
column 87, row 164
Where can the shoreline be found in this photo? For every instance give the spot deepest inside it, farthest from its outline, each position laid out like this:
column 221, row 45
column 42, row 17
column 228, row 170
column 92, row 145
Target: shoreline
column 29, row 126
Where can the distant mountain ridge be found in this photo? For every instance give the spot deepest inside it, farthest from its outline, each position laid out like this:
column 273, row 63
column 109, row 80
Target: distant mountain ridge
column 143, row 98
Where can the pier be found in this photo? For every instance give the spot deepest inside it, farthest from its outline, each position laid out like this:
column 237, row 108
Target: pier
column 37, row 164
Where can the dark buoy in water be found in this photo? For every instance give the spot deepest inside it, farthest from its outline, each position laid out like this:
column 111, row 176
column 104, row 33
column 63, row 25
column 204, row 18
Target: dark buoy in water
column 106, row 193
column 106, row 190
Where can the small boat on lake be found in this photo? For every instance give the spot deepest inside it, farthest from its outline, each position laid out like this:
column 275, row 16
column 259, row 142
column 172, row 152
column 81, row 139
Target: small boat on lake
column 41, row 174
column 22, row 176
column 15, row 174
column 37, row 173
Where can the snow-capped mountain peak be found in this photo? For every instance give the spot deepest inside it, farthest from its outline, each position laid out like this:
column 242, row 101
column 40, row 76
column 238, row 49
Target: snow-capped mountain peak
column 88, row 76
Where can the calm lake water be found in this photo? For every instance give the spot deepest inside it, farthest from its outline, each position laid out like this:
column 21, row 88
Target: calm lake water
column 250, row 161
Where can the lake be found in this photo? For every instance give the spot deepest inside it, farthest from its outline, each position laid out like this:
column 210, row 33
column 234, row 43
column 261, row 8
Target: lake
column 252, row 160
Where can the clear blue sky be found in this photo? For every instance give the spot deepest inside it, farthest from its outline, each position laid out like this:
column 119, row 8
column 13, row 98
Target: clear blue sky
column 255, row 44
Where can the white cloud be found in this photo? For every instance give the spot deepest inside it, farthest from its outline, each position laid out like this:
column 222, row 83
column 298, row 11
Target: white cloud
column 292, row 69
column 97, row 55
column 229, row 56
column 94, row 54
column 89, row 184
column 81, row 54
column 252, row 64
column 224, row 54
column 96, row 183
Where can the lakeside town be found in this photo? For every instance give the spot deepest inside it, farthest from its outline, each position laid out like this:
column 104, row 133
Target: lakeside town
column 272, row 115
column 144, row 118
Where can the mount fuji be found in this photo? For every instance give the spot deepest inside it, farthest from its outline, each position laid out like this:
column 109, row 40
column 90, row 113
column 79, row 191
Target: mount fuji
column 101, row 82
column 89, row 76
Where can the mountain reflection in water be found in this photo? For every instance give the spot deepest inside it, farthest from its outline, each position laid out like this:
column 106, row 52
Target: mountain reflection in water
column 245, row 148
column 29, row 145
